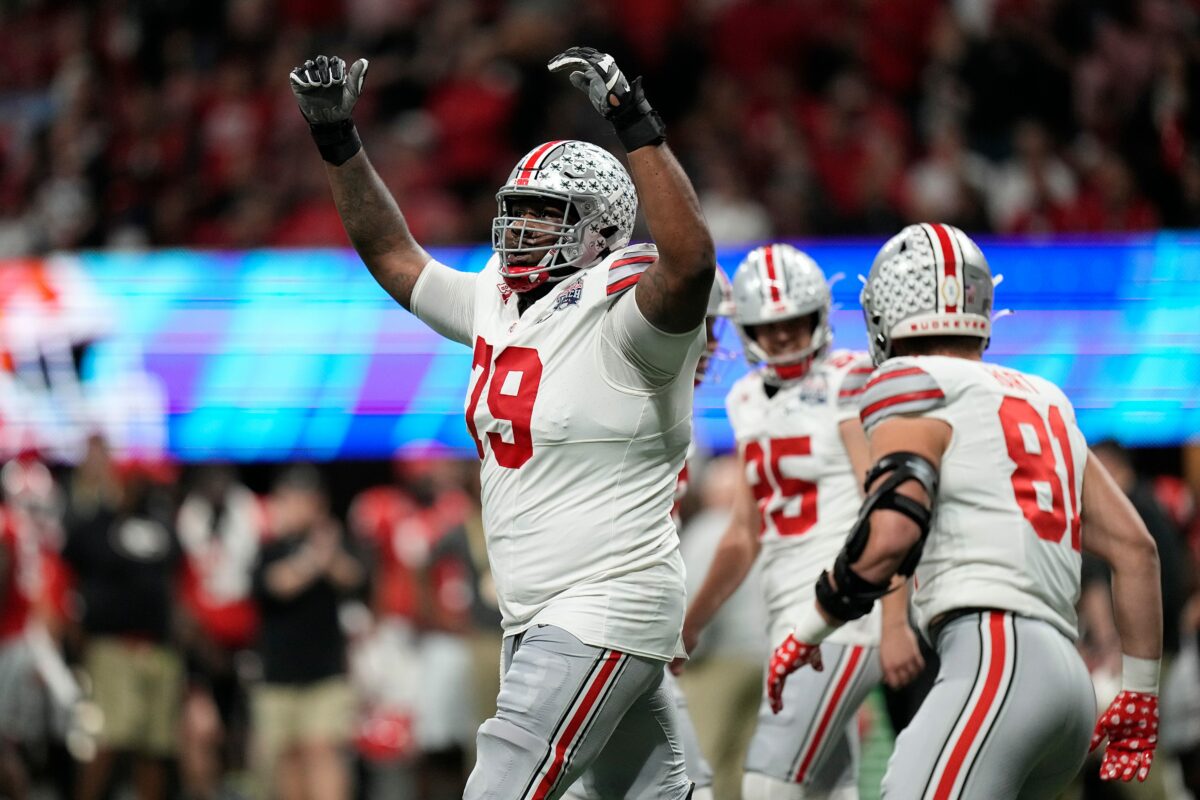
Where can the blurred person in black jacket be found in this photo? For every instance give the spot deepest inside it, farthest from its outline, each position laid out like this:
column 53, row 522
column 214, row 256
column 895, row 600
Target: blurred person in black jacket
column 122, row 547
column 304, row 709
column 1101, row 648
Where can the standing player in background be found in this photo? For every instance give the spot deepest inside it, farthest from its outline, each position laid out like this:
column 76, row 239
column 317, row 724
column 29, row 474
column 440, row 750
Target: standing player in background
column 995, row 548
column 801, row 447
column 580, row 405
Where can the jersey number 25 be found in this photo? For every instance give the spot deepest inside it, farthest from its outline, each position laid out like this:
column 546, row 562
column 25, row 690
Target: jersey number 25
column 772, row 483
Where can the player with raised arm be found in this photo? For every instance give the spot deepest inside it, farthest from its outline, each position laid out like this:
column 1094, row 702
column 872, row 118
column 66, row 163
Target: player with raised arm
column 795, row 418
column 984, row 490
column 580, row 406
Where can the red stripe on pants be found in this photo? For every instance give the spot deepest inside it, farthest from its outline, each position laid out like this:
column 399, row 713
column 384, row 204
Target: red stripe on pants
column 991, row 687
column 565, row 740
column 839, row 690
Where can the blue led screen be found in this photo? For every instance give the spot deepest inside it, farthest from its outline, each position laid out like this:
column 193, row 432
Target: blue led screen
column 270, row 355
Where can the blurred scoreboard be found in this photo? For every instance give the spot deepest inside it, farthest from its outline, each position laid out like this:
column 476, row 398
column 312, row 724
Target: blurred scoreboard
column 273, row 355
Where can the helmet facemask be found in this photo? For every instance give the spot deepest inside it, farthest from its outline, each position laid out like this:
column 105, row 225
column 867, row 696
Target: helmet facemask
column 537, row 249
column 597, row 206
column 791, row 366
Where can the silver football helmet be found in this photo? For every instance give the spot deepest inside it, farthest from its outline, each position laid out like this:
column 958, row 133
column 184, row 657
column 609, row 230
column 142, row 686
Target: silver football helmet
column 774, row 283
column 720, row 297
column 928, row 280
column 720, row 307
column 599, row 205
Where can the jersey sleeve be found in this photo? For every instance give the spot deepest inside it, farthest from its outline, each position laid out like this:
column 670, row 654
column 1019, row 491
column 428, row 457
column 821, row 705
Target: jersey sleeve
column 444, row 299
column 635, row 353
column 850, row 383
column 899, row 388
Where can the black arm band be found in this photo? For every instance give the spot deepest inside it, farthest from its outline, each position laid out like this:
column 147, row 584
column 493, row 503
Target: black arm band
column 336, row 141
column 853, row 597
column 637, row 124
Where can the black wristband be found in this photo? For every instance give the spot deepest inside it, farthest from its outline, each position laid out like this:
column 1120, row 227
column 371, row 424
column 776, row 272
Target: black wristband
column 336, row 141
column 637, row 124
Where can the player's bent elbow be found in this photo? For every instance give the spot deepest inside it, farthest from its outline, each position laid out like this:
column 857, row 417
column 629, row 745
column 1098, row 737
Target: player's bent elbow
column 1144, row 550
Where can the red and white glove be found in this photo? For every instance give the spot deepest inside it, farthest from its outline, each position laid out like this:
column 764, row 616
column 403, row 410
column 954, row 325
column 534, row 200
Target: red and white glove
column 787, row 658
column 1131, row 726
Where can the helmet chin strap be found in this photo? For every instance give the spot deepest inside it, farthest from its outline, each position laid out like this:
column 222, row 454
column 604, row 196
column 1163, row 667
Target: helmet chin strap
column 526, row 279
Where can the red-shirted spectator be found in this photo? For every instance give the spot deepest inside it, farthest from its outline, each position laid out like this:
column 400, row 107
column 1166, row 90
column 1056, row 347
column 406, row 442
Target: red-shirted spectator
column 221, row 525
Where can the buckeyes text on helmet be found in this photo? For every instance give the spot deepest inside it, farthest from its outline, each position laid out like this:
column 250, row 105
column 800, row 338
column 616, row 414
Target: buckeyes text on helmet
column 598, row 207
column 928, row 280
column 775, row 283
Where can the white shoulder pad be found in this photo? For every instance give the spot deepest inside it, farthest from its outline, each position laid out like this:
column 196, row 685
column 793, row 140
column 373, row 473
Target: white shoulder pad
column 626, row 266
column 898, row 387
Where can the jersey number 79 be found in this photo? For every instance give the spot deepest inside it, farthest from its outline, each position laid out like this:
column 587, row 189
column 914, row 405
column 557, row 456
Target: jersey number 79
column 515, row 373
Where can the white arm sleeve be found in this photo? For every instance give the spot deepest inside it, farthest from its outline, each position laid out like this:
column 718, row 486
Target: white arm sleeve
column 444, row 299
column 640, row 356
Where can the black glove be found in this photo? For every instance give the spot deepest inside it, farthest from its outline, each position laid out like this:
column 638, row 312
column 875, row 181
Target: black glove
column 326, row 93
column 621, row 103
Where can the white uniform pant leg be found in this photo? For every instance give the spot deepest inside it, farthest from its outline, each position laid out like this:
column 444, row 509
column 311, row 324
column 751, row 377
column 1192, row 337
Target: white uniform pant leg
column 698, row 770
column 565, row 706
column 813, row 742
column 1009, row 717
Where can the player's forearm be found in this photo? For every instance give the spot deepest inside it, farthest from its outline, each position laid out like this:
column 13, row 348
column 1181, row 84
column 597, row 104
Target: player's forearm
column 673, row 293
column 892, row 537
column 894, row 606
column 376, row 226
column 1137, row 601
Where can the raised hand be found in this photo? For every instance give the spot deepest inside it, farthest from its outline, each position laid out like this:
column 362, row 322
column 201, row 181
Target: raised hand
column 325, row 90
column 621, row 102
column 1131, row 726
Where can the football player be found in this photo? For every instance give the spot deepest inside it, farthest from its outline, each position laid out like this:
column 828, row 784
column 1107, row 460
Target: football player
column 984, row 490
column 795, row 417
column 580, row 406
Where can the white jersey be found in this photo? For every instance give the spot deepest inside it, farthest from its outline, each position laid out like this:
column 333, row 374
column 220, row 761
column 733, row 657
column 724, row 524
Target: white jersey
column 580, row 455
column 805, row 487
column 1006, row 527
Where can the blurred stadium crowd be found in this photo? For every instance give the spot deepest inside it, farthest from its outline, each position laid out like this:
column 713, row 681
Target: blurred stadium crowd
column 290, row 641
column 145, row 122
column 218, row 618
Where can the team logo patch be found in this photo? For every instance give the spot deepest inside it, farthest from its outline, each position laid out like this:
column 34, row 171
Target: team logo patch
column 570, row 296
column 815, row 390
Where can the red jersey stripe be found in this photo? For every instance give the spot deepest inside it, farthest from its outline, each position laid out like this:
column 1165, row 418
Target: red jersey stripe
column 928, row 394
column 624, row 283
column 900, row 373
column 646, row 259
